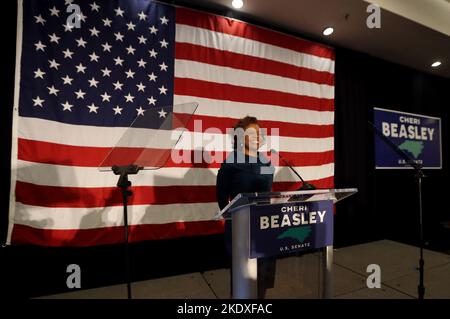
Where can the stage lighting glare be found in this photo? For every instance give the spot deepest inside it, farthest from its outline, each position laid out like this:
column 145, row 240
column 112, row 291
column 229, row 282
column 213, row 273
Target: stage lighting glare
column 328, row 31
column 237, row 4
column 436, row 64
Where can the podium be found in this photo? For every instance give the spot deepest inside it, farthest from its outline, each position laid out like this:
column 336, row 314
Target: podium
column 277, row 223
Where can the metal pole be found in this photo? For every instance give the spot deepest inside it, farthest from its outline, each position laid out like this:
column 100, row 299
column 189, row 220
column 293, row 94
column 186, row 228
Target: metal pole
column 245, row 270
column 327, row 268
column 127, row 251
column 124, row 183
column 421, row 287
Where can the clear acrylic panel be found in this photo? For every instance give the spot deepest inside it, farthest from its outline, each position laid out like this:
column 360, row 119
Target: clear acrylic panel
column 244, row 199
column 297, row 276
column 149, row 140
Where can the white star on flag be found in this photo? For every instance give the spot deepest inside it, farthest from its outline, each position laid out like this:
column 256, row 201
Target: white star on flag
column 94, row 7
column 54, row 38
column 140, row 87
column 94, row 57
column 162, row 113
column 152, row 77
column 118, row 61
column 80, row 94
column 141, row 63
column 81, row 42
column 164, row 20
column 153, row 30
column 151, row 101
column 53, row 64
column 94, row 32
column 106, row 47
column 54, row 12
column 93, row 82
column 119, row 12
column 105, row 97
column 68, row 27
column 40, row 20
column 39, row 74
column 82, row 17
column 119, row 36
column 52, row 90
column 117, row 85
column 80, row 68
column 130, row 50
column 38, row 102
column 153, row 53
column 40, row 46
column 130, row 74
column 107, row 22
column 142, row 40
column 131, row 25
column 67, row 106
column 164, row 43
column 162, row 90
column 142, row 15
column 67, row 80
column 117, row 110
column 140, row 111
column 92, row 108
column 129, row 98
column 106, row 72
column 68, row 54
column 163, row 67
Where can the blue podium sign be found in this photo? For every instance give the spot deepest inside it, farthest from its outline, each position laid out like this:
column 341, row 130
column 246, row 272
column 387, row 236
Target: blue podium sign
column 417, row 135
column 289, row 227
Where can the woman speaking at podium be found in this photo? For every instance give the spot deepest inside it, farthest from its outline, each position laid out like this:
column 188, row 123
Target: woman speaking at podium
column 242, row 172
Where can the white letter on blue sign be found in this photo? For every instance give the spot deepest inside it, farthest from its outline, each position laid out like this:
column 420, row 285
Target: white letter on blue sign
column 321, row 215
column 263, row 222
column 386, row 129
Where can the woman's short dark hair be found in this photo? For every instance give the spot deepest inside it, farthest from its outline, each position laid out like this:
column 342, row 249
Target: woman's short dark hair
column 243, row 124
column 246, row 122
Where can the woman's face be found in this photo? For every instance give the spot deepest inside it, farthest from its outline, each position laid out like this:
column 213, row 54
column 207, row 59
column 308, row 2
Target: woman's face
column 252, row 137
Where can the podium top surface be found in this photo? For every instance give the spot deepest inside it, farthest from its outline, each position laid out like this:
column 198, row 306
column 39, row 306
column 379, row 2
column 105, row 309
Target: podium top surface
column 264, row 198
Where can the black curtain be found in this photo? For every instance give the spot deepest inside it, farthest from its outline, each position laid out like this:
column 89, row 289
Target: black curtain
column 353, row 149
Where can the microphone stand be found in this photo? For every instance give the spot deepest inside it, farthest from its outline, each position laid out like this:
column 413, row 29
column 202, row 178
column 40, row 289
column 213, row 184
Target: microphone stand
column 305, row 185
column 419, row 175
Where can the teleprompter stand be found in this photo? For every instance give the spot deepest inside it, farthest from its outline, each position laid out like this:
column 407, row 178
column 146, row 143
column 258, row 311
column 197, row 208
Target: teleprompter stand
column 123, row 183
column 145, row 145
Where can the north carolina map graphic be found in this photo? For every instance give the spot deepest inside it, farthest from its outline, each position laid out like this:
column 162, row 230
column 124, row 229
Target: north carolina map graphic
column 298, row 233
column 415, row 148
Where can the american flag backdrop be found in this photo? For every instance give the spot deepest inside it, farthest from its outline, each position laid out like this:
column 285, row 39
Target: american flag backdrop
column 78, row 89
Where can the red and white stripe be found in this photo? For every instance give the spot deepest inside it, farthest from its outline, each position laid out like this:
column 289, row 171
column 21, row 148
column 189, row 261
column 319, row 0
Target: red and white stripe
column 232, row 69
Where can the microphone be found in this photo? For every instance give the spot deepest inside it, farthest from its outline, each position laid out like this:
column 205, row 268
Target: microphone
column 305, row 185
